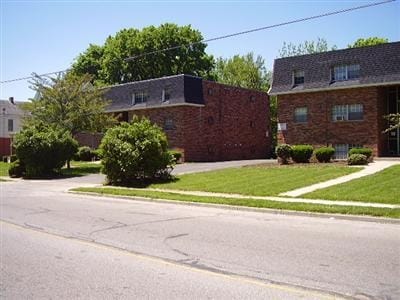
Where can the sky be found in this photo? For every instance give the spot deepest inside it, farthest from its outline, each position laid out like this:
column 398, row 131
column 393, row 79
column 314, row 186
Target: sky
column 46, row 36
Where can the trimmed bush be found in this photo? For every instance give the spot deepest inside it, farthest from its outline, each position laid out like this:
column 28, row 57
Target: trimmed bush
column 357, row 159
column 365, row 151
column 84, row 153
column 301, row 153
column 177, row 155
column 44, row 150
column 13, row 158
column 16, row 169
column 96, row 154
column 135, row 152
column 324, row 154
column 5, row 158
column 283, row 152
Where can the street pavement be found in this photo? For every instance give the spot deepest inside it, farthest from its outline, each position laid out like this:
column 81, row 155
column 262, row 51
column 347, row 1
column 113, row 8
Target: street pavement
column 60, row 245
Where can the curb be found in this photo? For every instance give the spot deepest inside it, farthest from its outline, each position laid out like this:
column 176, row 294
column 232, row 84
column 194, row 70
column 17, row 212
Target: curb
column 250, row 209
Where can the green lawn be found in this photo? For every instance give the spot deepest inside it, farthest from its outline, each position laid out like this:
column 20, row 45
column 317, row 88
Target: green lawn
column 382, row 187
column 378, row 212
column 257, row 181
column 4, row 169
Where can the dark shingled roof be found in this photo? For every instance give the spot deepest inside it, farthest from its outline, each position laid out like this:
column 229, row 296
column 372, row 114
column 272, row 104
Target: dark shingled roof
column 183, row 89
column 379, row 65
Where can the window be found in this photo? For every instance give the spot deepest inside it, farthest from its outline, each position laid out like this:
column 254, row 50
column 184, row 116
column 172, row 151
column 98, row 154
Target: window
column 346, row 72
column 169, row 124
column 252, row 98
column 210, row 91
column 298, row 77
column 166, row 95
column 10, row 125
column 352, row 112
column 300, row 115
column 139, row 97
column 342, row 150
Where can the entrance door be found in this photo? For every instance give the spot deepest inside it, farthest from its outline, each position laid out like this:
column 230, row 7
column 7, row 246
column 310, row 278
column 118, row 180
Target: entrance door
column 393, row 107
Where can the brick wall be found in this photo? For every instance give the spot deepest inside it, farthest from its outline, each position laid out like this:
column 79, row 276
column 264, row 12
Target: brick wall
column 231, row 125
column 320, row 130
column 4, row 146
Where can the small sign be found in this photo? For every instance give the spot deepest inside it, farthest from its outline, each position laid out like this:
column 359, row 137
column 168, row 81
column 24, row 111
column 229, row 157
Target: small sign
column 282, row 126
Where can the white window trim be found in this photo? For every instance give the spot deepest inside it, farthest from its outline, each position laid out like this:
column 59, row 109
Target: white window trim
column 345, row 115
column 346, row 72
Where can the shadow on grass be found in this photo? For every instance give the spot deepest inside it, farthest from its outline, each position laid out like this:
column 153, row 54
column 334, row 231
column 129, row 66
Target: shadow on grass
column 144, row 183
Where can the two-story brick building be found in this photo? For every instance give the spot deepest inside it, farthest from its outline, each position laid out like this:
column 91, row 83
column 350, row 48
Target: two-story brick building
column 339, row 98
column 206, row 120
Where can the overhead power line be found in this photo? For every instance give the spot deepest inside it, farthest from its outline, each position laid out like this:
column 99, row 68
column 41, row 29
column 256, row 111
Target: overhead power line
column 337, row 12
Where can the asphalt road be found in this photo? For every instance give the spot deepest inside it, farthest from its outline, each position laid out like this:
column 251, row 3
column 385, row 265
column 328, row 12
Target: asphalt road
column 59, row 245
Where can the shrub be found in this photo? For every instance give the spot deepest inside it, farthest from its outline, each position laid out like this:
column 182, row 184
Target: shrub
column 96, row 154
column 43, row 150
column 177, row 155
column 357, row 159
column 283, row 152
column 324, row 154
column 5, row 158
column 301, row 153
column 16, row 169
column 84, row 153
column 365, row 151
column 135, row 152
column 13, row 158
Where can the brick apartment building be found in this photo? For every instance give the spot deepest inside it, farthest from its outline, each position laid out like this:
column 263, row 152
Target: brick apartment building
column 207, row 121
column 339, row 98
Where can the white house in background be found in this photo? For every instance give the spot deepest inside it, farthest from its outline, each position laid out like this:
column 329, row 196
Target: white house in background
column 10, row 123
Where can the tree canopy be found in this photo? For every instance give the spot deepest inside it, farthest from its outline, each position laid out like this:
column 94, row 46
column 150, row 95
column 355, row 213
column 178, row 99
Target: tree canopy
column 306, row 47
column 70, row 103
column 108, row 65
column 244, row 71
column 371, row 41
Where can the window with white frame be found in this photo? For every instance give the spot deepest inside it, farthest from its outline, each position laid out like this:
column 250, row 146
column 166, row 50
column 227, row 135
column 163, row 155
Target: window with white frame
column 165, row 95
column 345, row 72
column 342, row 150
column 300, row 114
column 347, row 112
column 298, row 77
column 169, row 124
column 139, row 97
column 10, row 125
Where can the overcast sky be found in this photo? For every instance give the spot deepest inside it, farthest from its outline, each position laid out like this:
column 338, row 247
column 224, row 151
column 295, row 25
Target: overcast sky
column 46, row 36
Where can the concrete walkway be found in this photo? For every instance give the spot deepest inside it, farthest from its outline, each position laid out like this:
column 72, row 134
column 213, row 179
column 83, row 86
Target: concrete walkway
column 372, row 168
column 271, row 198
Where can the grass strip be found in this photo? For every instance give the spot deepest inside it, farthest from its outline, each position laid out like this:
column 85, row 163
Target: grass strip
column 305, row 207
column 381, row 187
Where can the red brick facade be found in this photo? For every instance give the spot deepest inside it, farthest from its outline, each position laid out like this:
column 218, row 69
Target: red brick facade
column 233, row 124
column 5, row 148
column 321, row 130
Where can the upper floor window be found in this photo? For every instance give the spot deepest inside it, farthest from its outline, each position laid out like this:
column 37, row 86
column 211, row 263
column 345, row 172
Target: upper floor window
column 348, row 112
column 298, row 77
column 300, row 115
column 10, row 125
column 139, row 97
column 165, row 95
column 346, row 72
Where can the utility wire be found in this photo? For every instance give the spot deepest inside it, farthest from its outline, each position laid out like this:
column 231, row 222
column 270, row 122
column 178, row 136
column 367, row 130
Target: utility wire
column 229, row 35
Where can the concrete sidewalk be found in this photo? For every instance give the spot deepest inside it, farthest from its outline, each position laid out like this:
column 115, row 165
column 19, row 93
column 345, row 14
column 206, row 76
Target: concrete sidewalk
column 371, row 168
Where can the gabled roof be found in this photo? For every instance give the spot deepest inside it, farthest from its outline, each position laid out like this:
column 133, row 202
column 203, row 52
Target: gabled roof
column 379, row 65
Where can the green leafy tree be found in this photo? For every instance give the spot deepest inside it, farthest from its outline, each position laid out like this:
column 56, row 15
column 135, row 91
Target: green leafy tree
column 244, row 71
column 43, row 150
column 135, row 152
column 371, row 41
column 306, row 47
column 394, row 122
column 70, row 103
column 108, row 64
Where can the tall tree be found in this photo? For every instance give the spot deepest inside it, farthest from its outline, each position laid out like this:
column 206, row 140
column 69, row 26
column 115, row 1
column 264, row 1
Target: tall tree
column 306, row 47
column 70, row 103
column 108, row 64
column 371, row 41
column 244, row 71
